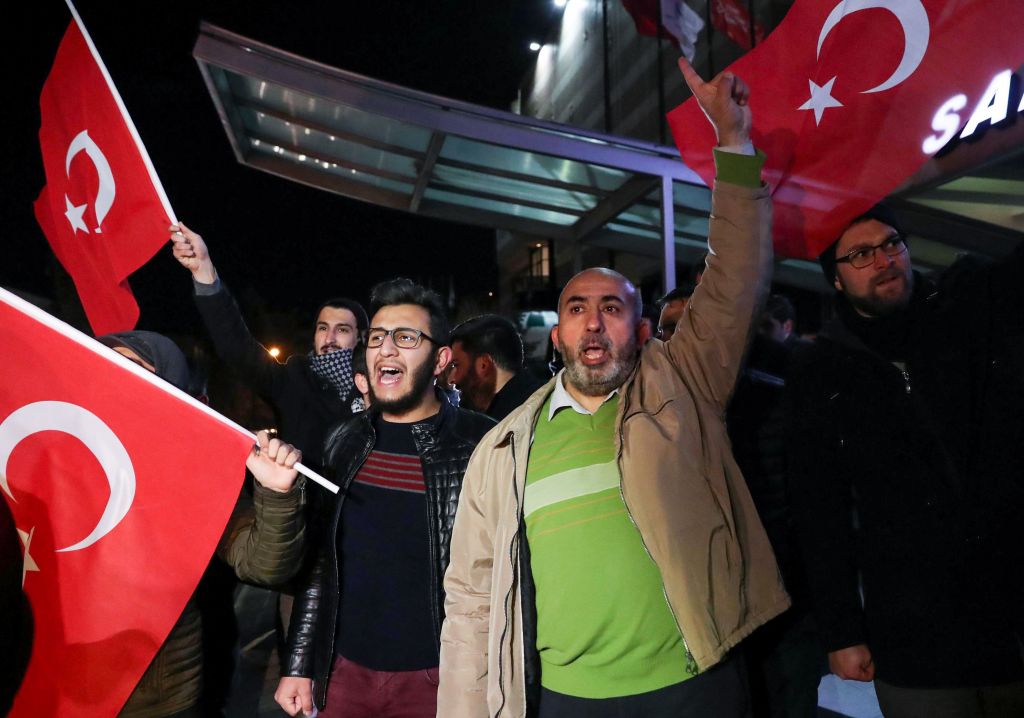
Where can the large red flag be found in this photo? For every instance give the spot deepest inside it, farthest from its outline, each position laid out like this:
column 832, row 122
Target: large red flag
column 844, row 95
column 100, row 210
column 120, row 486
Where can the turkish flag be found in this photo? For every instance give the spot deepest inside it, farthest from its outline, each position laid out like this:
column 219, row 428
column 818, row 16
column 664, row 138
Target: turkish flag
column 843, row 96
column 100, row 210
column 120, row 486
column 733, row 20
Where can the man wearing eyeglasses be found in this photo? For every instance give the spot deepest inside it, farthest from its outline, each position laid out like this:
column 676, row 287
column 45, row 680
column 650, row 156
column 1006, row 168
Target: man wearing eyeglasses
column 906, row 466
column 366, row 624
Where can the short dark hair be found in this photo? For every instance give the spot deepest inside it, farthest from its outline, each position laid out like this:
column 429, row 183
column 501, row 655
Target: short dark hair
column 684, row 291
column 780, row 309
column 362, row 323
column 359, row 360
column 494, row 335
column 406, row 291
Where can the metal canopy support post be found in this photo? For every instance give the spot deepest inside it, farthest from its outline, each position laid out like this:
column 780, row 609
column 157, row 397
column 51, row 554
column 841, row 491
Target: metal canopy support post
column 426, row 170
column 632, row 190
column 668, row 233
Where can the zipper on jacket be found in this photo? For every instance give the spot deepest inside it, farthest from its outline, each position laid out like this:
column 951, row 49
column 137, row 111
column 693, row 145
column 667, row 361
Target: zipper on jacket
column 335, row 522
column 664, row 592
column 508, row 595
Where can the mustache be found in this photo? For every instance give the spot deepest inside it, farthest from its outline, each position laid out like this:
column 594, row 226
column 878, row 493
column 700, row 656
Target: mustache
column 890, row 273
column 595, row 341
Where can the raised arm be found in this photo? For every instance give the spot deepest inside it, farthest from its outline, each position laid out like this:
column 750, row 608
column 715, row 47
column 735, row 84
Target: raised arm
column 232, row 340
column 712, row 335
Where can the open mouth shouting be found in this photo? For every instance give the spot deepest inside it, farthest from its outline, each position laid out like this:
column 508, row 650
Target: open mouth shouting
column 594, row 351
column 389, row 375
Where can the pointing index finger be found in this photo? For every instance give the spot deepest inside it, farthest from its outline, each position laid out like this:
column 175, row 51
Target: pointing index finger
column 693, row 80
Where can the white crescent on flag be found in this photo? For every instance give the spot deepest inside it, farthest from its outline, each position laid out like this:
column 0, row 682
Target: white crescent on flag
column 107, row 189
column 916, row 31
column 97, row 437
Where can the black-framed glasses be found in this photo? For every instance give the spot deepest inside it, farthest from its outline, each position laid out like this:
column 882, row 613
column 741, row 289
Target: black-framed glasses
column 865, row 256
column 403, row 337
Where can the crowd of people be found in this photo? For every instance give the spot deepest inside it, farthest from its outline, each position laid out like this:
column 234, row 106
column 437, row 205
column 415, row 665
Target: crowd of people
column 699, row 515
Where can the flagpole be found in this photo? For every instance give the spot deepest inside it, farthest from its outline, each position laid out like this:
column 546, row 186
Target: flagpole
column 91, row 344
column 124, row 114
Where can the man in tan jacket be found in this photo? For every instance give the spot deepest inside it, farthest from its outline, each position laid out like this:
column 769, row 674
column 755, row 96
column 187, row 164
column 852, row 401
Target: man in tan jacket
column 606, row 553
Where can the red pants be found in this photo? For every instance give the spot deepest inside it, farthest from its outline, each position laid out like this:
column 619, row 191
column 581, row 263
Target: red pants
column 357, row 692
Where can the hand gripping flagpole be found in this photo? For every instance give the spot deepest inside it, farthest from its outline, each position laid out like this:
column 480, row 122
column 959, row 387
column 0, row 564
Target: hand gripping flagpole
column 157, row 185
column 91, row 344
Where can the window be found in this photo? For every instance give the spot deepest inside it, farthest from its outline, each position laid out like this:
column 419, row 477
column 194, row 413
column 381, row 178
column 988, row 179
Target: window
column 540, row 260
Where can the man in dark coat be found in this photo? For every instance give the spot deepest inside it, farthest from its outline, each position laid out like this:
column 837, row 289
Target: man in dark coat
column 906, row 470
column 487, row 366
column 784, row 657
column 366, row 625
column 309, row 392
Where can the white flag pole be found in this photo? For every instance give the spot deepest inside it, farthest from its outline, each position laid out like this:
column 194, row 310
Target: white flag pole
column 124, row 113
column 92, row 345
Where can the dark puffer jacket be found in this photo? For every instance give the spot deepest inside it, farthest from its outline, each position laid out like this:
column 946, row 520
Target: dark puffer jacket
column 444, row 447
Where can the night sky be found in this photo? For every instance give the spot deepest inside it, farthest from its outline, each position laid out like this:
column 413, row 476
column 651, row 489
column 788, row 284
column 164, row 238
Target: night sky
column 278, row 244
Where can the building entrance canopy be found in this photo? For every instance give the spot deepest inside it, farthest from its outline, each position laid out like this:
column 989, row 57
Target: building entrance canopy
column 407, row 150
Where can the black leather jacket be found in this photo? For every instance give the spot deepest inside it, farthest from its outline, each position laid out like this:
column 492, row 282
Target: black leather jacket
column 444, row 447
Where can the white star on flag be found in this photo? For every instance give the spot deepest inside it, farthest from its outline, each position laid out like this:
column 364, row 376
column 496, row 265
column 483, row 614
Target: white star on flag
column 821, row 99
column 28, row 563
column 74, row 215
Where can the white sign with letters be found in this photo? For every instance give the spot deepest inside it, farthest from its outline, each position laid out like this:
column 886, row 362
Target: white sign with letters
column 992, row 108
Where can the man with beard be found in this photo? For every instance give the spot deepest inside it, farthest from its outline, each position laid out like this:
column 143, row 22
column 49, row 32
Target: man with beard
column 367, row 621
column 487, row 366
column 309, row 392
column 607, row 554
column 906, row 464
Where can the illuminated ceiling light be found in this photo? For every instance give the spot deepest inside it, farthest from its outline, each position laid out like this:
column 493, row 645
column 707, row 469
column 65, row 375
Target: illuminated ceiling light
column 302, row 158
column 274, row 352
column 255, row 142
column 560, row 3
column 331, row 137
column 534, row 46
column 306, row 130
